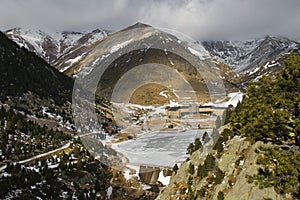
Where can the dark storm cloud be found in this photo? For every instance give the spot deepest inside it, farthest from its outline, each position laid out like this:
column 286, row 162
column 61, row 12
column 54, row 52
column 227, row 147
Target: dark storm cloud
column 201, row 19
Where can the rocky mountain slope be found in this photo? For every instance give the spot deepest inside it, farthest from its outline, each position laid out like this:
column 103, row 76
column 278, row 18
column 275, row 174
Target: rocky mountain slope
column 52, row 46
column 242, row 56
column 29, row 83
column 142, row 44
column 22, row 72
column 66, row 51
column 39, row 158
column 236, row 163
column 257, row 154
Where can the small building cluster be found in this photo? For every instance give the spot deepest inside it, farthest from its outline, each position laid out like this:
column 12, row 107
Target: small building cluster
column 179, row 111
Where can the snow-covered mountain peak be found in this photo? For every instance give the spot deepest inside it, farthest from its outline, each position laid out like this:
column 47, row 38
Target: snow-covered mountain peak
column 51, row 45
column 138, row 25
column 244, row 55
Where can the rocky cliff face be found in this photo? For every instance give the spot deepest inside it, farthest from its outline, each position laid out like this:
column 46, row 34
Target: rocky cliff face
column 228, row 177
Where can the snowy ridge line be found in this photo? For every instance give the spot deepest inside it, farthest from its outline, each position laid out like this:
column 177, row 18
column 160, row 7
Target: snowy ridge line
column 51, row 45
column 242, row 56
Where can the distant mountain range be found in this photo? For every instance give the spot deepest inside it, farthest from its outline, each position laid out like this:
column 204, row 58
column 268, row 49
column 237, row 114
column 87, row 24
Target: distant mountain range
column 65, row 49
column 242, row 56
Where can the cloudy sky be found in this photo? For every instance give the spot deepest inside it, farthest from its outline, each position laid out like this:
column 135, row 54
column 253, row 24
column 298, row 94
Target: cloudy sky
column 200, row 19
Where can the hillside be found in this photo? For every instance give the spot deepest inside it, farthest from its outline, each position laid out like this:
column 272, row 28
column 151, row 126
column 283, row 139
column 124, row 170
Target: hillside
column 143, row 45
column 257, row 155
column 67, row 50
column 23, row 71
column 40, row 154
column 32, row 166
column 28, row 82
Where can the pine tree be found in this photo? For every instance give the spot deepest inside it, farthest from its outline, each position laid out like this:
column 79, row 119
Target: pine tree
column 175, row 168
column 97, row 186
column 191, row 169
column 201, row 171
column 219, row 175
column 10, row 126
column 209, row 162
column 220, row 195
column 198, row 144
column 204, row 136
column 190, row 148
column 79, row 164
column 201, row 193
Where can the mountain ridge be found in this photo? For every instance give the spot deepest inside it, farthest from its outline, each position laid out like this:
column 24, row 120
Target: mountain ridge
column 243, row 56
column 66, row 48
column 51, row 46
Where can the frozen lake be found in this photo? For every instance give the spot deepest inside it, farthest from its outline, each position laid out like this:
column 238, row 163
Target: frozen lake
column 161, row 148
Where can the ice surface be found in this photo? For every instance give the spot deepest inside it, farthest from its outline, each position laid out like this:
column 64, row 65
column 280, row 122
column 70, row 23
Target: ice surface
column 161, row 148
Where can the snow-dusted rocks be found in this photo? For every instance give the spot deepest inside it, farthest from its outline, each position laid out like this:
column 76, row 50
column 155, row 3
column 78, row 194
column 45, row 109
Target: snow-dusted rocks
column 244, row 55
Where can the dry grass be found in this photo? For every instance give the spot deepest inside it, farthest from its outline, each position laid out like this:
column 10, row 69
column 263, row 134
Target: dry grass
column 149, row 94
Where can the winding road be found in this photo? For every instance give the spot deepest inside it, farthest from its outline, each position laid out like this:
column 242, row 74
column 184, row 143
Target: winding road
column 38, row 156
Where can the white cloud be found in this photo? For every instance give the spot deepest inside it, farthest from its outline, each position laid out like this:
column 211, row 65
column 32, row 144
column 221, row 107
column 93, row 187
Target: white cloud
column 201, row 19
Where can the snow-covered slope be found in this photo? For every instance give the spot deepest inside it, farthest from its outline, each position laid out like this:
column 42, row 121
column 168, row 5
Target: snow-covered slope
column 242, row 56
column 52, row 45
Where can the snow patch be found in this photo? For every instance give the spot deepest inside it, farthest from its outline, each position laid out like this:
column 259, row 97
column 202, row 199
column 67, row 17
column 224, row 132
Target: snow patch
column 165, row 180
column 109, row 192
column 120, row 46
column 234, row 98
column 74, row 60
column 201, row 54
column 255, row 70
column 162, row 93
